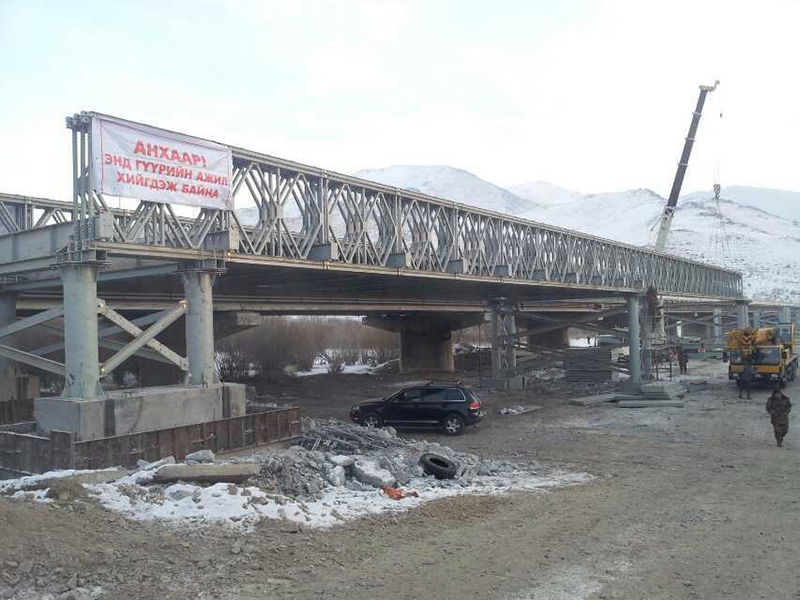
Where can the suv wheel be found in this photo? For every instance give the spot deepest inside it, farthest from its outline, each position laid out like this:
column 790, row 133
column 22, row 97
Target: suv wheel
column 372, row 421
column 453, row 424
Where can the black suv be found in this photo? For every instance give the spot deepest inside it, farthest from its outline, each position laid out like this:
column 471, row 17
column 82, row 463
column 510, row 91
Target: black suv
column 449, row 405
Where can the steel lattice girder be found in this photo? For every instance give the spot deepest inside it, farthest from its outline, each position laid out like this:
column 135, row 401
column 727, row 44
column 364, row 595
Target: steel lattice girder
column 299, row 207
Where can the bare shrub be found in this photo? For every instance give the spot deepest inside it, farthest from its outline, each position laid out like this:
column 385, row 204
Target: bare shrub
column 233, row 364
column 284, row 341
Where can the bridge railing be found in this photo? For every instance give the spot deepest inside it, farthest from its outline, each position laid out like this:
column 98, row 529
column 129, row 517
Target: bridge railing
column 301, row 212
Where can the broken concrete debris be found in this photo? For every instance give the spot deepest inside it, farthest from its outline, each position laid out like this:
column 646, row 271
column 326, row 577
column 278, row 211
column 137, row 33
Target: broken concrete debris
column 201, row 456
column 208, row 473
column 308, row 487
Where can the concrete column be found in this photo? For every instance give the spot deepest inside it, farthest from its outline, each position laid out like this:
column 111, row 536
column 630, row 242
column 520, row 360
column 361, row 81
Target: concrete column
column 635, row 360
column 495, row 331
column 742, row 316
column 647, row 340
column 786, row 315
column 8, row 314
column 717, row 325
column 200, row 326
column 80, row 331
column 426, row 349
column 510, row 354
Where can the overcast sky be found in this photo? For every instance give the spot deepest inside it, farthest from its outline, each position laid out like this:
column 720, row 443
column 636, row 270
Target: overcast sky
column 594, row 96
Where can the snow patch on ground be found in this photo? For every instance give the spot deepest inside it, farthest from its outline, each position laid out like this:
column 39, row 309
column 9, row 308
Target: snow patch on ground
column 347, row 370
column 29, row 481
column 184, row 503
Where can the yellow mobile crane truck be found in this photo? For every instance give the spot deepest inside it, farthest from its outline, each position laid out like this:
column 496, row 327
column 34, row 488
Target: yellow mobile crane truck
column 770, row 350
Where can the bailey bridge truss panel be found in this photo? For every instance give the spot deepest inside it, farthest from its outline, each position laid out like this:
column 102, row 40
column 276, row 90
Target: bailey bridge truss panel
column 305, row 213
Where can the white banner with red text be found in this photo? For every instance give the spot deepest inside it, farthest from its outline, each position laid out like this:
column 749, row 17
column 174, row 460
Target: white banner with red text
column 137, row 161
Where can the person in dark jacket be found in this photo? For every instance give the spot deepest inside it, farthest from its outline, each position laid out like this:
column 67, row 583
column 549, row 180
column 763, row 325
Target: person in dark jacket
column 683, row 360
column 779, row 406
column 746, row 379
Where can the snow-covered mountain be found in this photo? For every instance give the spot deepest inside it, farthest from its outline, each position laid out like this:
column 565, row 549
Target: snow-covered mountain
column 450, row 184
column 545, row 193
column 778, row 202
column 763, row 246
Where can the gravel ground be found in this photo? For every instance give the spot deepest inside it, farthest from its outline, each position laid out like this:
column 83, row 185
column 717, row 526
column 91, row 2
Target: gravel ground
column 693, row 503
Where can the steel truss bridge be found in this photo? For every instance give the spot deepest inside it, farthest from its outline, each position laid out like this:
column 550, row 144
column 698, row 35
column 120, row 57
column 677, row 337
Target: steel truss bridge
column 314, row 237
column 309, row 214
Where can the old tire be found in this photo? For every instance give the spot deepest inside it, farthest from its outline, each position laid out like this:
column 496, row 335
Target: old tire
column 437, row 465
column 372, row 421
column 453, row 424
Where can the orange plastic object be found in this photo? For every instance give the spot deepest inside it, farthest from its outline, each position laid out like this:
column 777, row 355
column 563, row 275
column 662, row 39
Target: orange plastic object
column 398, row 493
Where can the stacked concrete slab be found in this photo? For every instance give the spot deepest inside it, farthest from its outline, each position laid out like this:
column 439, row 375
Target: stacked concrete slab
column 658, row 394
column 587, row 364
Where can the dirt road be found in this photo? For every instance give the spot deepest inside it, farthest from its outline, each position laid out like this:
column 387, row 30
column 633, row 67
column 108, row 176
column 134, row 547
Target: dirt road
column 693, row 503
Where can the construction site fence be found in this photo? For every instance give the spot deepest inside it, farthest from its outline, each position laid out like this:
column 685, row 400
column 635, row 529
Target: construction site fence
column 22, row 452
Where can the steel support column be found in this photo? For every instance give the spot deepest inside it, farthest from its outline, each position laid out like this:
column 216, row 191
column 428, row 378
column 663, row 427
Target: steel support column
column 197, row 287
column 510, row 350
column 717, row 325
column 646, row 329
column 495, row 329
column 8, row 314
column 634, row 359
column 742, row 316
column 81, row 353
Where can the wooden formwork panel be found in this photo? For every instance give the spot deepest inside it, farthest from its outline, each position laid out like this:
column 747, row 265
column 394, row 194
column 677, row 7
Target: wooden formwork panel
column 225, row 434
column 27, row 453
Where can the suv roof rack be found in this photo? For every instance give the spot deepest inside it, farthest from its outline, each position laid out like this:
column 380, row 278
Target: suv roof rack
column 445, row 382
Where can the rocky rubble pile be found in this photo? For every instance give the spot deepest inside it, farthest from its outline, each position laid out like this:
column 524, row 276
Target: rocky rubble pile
column 333, row 453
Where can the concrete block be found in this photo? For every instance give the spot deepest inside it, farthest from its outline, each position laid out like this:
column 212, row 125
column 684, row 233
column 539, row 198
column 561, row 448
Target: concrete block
column 235, row 473
column 133, row 411
column 503, row 271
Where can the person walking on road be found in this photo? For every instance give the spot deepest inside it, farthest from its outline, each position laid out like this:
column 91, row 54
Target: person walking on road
column 745, row 380
column 779, row 406
column 683, row 360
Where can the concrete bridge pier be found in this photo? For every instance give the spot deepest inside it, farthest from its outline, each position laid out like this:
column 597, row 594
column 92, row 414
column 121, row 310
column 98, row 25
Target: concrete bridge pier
column 742, row 316
column 425, row 339
column 197, row 285
column 8, row 314
column 716, row 323
column 634, row 359
column 81, row 354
